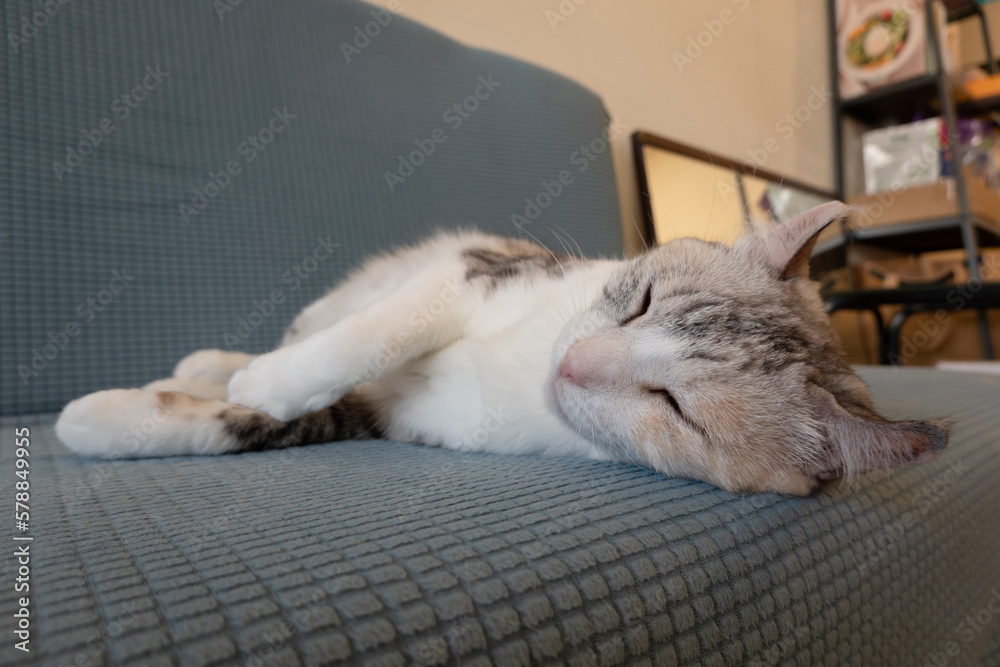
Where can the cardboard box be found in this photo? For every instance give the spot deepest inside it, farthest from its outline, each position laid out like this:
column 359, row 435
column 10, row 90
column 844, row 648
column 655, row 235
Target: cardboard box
column 928, row 337
column 926, row 202
column 989, row 270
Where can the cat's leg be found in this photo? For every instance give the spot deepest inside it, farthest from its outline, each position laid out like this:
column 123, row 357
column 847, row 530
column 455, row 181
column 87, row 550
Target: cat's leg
column 203, row 374
column 133, row 423
column 213, row 366
column 421, row 316
column 378, row 277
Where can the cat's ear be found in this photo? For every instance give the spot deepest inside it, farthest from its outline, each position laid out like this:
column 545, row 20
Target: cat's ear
column 787, row 246
column 860, row 441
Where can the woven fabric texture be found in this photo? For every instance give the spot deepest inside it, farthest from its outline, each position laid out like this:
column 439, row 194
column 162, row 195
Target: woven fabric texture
column 189, row 174
column 391, row 554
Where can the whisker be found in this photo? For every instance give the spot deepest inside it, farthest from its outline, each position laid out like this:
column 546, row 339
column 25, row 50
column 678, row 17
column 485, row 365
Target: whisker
column 711, row 211
column 579, row 250
column 566, row 250
column 646, row 244
column 545, row 247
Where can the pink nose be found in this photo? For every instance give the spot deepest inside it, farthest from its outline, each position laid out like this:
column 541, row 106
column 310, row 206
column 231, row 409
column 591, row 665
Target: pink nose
column 574, row 366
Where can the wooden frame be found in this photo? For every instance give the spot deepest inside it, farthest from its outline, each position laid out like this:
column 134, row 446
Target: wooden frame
column 642, row 139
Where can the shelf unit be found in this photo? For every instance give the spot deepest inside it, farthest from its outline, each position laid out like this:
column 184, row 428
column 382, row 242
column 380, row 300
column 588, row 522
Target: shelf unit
column 930, row 94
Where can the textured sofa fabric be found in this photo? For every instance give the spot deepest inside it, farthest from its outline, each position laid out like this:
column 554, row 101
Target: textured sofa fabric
column 392, row 554
column 201, row 88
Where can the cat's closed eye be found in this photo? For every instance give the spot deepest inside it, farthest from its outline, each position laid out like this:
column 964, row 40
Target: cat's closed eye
column 647, row 299
column 669, row 399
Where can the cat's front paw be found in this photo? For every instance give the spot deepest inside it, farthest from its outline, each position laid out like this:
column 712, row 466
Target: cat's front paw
column 271, row 384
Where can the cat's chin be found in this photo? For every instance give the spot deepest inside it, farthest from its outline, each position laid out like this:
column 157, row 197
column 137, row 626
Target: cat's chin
column 564, row 401
column 560, row 399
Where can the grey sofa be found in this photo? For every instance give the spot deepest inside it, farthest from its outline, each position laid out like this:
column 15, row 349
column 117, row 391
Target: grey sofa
column 185, row 175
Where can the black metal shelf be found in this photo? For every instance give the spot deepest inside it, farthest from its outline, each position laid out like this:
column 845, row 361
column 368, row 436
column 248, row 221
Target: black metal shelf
column 896, row 102
column 961, row 9
column 923, row 235
column 978, row 107
column 901, row 102
column 913, row 299
column 929, row 94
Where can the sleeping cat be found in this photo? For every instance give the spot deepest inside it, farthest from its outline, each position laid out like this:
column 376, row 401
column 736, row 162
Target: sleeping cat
column 697, row 359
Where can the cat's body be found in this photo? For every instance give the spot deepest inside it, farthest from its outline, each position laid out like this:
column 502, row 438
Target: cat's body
column 696, row 359
column 486, row 386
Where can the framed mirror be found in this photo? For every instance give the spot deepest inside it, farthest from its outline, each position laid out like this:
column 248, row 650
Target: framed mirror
column 686, row 191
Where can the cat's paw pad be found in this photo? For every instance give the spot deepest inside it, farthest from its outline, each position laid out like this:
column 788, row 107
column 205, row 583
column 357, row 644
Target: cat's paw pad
column 212, row 366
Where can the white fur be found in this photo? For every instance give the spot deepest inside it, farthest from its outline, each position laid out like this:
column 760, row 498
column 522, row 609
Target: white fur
column 594, row 360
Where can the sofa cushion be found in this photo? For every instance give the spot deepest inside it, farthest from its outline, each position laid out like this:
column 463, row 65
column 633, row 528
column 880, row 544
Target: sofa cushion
column 390, row 553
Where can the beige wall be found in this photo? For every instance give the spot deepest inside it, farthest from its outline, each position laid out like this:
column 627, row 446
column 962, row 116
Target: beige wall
column 733, row 98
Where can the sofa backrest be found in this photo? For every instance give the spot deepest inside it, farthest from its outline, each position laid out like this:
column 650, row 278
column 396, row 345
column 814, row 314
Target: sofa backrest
column 189, row 174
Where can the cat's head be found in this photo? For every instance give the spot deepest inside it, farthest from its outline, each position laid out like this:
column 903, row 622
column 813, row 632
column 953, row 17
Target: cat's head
column 719, row 363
